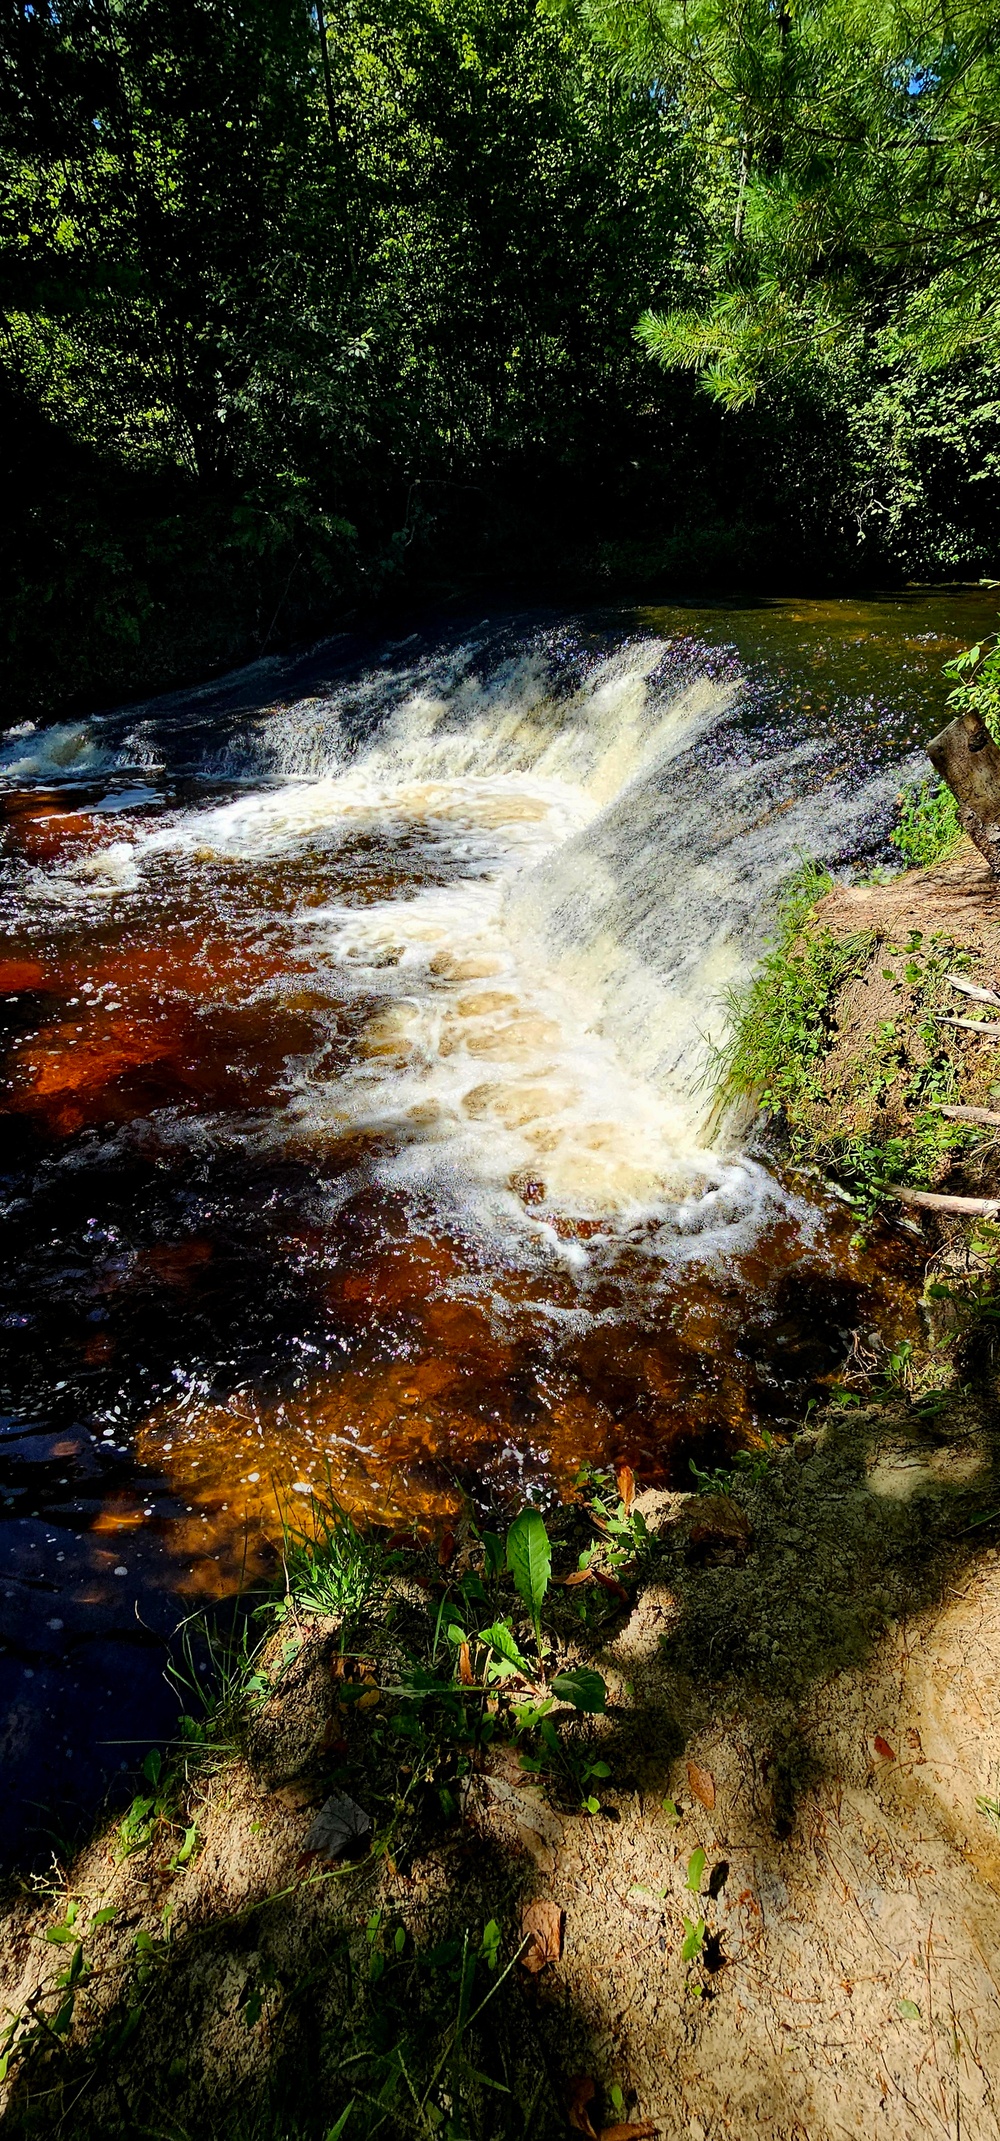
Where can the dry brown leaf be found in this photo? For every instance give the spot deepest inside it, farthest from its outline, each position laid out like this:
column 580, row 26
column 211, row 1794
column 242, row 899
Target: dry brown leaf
column 464, row 1665
column 883, row 1748
column 446, row 1549
column 702, row 1784
column 576, row 1576
column 369, row 1700
column 626, row 1486
column 610, row 1583
column 624, row 2131
column 579, row 2094
column 541, row 1924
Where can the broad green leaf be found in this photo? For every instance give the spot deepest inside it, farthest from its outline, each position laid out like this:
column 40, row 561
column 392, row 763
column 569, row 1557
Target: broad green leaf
column 529, row 1559
column 694, row 1939
column 582, row 1687
column 506, row 1656
column 696, row 1867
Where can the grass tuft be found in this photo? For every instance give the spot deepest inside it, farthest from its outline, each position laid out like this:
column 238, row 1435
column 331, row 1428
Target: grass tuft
column 928, row 828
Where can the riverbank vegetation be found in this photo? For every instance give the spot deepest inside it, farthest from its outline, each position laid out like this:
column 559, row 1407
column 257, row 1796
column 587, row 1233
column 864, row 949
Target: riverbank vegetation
column 311, row 310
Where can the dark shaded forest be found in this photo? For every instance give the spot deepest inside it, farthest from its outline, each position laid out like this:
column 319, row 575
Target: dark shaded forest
column 311, row 312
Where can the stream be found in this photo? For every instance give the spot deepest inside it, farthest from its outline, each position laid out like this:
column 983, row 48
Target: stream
column 359, row 1018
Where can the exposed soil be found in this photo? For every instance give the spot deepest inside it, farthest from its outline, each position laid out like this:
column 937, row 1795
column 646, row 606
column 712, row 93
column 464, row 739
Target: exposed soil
column 814, row 1685
column 958, row 898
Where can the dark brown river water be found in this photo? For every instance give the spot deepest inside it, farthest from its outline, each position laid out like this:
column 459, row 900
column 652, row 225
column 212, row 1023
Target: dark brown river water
column 358, row 1020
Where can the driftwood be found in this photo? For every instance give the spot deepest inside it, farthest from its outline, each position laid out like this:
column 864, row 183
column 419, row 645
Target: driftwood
column 967, row 758
column 971, row 988
column 932, row 1200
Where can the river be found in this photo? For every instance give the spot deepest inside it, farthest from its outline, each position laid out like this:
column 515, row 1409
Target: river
column 359, row 1017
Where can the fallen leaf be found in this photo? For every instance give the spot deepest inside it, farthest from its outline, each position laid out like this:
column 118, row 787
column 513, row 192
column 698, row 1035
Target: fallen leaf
column 883, row 1748
column 464, row 1665
column 370, row 1699
column 624, row 2131
column 580, row 2093
column 576, row 1576
column 626, row 1486
column 610, row 1583
column 541, row 1924
column 446, row 1549
column 340, row 1826
column 702, row 1784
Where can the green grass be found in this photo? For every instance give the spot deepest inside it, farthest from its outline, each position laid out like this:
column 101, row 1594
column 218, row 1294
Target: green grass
column 928, row 828
column 782, row 1025
column 330, row 1566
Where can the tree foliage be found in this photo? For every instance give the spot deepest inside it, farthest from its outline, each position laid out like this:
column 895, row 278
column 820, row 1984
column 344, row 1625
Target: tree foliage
column 301, row 303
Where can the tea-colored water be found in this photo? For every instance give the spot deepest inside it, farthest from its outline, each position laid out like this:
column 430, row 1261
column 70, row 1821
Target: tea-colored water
column 358, row 1128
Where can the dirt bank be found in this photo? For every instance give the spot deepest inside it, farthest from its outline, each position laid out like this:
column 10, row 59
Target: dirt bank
column 803, row 1687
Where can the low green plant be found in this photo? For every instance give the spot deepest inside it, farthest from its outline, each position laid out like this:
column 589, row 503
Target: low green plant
column 781, row 1025
column 751, row 1465
column 693, row 1944
column 331, row 1565
column 218, row 1674
column 928, row 826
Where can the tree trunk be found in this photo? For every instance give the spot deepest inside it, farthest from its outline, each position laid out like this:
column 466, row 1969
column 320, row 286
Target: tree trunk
column 968, row 759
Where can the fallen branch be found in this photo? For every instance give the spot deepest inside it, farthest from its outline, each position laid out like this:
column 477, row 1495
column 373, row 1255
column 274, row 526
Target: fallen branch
column 969, row 1115
column 932, row 1200
column 971, row 1025
column 971, row 988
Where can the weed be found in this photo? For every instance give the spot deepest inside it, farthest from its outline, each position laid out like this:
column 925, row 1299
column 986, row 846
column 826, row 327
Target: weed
column 693, row 1943
column 928, row 826
column 749, row 1465
column 218, row 1675
column 330, row 1565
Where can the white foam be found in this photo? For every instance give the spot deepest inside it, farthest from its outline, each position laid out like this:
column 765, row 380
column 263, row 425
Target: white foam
column 533, row 1033
column 72, row 747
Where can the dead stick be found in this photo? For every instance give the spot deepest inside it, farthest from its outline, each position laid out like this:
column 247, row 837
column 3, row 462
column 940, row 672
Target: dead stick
column 979, row 1207
column 970, row 988
column 971, row 1025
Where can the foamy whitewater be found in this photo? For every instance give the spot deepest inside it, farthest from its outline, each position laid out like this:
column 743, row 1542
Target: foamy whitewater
column 538, row 1028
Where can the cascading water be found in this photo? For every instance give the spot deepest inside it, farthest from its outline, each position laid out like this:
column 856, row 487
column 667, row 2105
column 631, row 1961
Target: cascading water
column 360, row 1031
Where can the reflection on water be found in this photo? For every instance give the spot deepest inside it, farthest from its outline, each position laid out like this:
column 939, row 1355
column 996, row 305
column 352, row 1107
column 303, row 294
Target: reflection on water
column 358, row 1022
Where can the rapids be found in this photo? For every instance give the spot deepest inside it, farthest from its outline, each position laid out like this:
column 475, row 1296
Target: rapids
column 360, row 1016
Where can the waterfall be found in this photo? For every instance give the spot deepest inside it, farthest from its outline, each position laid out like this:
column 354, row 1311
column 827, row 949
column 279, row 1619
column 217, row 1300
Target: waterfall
column 576, row 860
